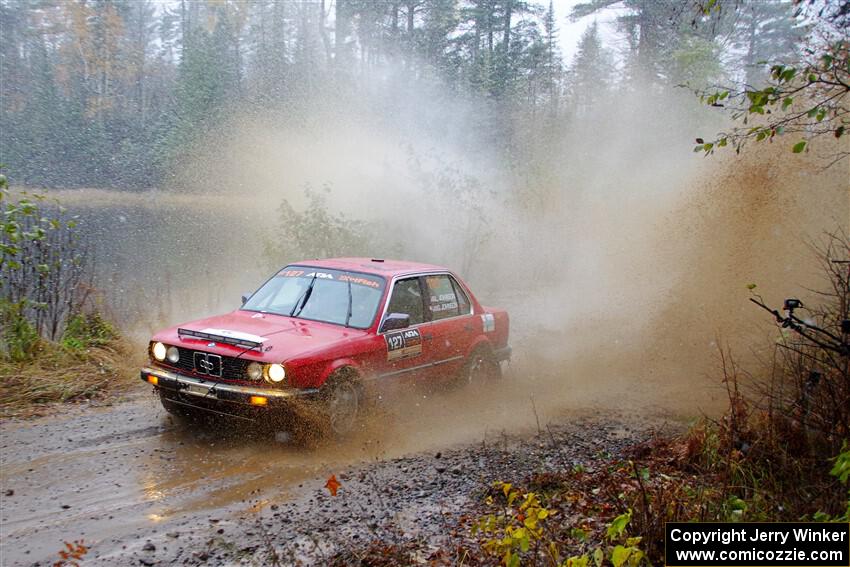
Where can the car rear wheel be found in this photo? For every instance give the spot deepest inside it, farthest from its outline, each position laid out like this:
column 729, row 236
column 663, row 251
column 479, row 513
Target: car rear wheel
column 480, row 368
column 343, row 404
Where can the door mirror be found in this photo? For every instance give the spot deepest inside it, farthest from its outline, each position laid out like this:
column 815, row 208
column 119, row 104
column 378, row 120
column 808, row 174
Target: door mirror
column 246, row 297
column 396, row 321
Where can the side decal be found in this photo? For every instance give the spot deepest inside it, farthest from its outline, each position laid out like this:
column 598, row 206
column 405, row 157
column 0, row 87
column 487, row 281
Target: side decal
column 404, row 344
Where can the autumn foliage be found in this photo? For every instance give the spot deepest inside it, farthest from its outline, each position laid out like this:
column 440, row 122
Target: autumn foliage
column 72, row 554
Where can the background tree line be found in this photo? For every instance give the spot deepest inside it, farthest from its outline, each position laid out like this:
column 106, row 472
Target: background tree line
column 112, row 93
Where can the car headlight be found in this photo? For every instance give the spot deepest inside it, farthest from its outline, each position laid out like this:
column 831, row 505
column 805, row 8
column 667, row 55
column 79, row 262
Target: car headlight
column 275, row 373
column 173, row 354
column 254, row 371
column 158, row 351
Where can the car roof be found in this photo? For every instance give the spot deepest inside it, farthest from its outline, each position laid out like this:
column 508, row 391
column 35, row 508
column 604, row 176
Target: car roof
column 378, row 266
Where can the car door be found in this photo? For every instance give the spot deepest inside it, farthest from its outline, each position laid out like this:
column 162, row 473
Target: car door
column 404, row 348
column 450, row 327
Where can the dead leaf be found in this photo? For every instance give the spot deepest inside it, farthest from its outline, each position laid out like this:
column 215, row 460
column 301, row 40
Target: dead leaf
column 332, row 485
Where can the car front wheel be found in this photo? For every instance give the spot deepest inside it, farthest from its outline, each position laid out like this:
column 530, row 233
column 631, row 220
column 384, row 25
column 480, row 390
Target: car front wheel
column 343, row 405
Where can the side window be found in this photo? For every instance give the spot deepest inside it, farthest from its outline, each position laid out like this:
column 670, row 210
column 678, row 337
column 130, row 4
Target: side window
column 463, row 305
column 441, row 298
column 407, row 298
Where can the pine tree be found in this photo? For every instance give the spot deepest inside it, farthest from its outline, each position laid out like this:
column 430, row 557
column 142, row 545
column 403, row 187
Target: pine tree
column 208, row 79
column 553, row 63
column 767, row 31
column 591, row 72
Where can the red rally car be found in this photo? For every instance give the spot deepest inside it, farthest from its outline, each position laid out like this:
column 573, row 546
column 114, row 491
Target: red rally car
column 328, row 331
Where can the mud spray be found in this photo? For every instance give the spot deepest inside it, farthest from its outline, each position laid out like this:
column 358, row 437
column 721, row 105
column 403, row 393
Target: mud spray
column 622, row 257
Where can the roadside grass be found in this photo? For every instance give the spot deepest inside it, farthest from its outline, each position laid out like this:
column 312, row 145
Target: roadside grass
column 611, row 510
column 606, row 510
column 58, row 373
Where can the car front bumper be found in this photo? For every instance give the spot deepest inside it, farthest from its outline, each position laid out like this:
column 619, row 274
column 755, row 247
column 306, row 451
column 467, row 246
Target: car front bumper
column 208, row 395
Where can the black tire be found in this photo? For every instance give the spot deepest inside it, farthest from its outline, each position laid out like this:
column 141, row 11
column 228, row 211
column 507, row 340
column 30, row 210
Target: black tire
column 343, row 404
column 480, row 369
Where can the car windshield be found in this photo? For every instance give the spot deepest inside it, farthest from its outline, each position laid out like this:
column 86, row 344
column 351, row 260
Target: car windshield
column 317, row 294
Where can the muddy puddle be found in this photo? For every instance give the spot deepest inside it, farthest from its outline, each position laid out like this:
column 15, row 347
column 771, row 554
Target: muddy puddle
column 119, row 473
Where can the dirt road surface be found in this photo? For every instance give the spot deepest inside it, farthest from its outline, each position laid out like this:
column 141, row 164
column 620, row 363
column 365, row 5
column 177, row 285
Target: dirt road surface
column 117, row 475
column 143, row 488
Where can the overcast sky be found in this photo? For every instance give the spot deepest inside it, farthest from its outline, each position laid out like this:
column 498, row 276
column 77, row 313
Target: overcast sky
column 570, row 32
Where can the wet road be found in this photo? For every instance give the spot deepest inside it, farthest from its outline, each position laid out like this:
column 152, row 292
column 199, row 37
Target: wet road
column 113, row 475
column 117, row 476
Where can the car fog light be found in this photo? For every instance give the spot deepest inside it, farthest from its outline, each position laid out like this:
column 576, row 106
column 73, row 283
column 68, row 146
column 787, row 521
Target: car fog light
column 153, row 379
column 259, row 400
column 173, row 354
column 158, row 351
column 254, row 371
column 275, row 372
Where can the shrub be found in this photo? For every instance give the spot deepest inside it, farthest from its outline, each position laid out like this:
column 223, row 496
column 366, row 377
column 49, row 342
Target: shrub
column 519, row 530
column 19, row 339
column 87, row 330
column 45, row 274
column 808, row 389
column 776, row 440
column 316, row 232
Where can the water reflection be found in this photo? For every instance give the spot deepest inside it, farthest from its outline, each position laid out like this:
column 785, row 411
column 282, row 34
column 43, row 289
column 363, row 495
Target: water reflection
column 218, row 462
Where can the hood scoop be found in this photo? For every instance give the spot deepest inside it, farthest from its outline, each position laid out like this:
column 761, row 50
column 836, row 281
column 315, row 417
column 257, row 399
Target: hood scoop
column 225, row 336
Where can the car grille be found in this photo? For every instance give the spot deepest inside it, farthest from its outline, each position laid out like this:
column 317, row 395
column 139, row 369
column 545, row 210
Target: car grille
column 231, row 368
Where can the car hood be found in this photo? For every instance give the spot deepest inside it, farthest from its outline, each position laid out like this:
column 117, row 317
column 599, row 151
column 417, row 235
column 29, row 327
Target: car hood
column 283, row 338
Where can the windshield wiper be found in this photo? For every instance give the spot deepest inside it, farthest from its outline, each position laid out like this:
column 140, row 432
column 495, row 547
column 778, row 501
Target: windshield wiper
column 303, row 299
column 348, row 316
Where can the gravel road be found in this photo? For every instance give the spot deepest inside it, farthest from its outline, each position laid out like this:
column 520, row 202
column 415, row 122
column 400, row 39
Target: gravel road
column 141, row 488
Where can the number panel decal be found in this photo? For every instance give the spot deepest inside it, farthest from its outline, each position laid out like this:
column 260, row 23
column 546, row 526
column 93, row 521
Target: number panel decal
column 403, row 344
